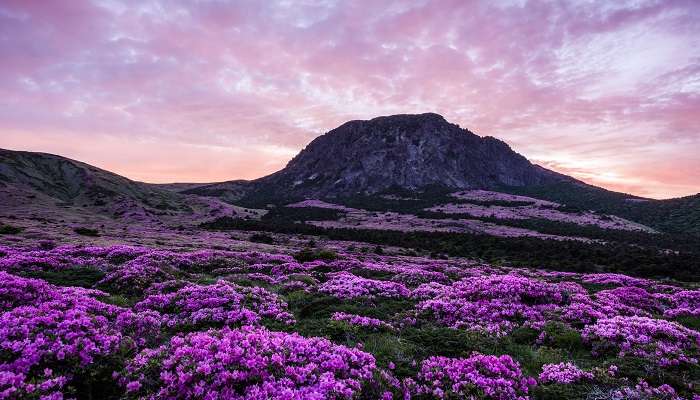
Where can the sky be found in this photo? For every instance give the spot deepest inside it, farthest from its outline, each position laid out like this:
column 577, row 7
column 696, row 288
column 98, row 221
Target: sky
column 202, row 91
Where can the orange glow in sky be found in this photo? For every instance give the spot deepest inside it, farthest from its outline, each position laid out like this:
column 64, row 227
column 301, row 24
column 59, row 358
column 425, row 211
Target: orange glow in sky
column 163, row 91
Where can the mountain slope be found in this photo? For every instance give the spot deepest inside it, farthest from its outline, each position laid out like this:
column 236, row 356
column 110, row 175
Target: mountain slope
column 679, row 215
column 402, row 151
column 360, row 163
column 70, row 181
column 50, row 186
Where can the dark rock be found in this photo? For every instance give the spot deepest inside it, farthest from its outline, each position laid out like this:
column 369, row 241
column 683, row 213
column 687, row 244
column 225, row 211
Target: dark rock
column 402, row 151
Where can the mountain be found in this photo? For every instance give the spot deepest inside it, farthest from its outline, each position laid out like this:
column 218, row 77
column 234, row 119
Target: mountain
column 50, row 186
column 401, row 151
column 70, row 181
column 362, row 164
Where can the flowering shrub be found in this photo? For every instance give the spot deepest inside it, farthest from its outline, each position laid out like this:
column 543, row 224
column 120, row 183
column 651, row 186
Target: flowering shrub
column 138, row 274
column 415, row 277
column 345, row 285
column 58, row 259
column 683, row 303
column 51, row 334
column 221, row 303
column 627, row 300
column 247, row 363
column 667, row 343
column 563, row 373
column 67, row 342
column 358, row 320
column 428, row 291
column 494, row 304
column 615, row 279
column 644, row 391
column 479, row 376
column 582, row 311
column 16, row 291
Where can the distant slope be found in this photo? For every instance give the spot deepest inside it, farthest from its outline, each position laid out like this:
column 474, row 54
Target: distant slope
column 230, row 191
column 680, row 215
column 69, row 180
column 46, row 185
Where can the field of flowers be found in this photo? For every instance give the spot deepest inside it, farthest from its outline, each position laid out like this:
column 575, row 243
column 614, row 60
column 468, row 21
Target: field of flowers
column 126, row 322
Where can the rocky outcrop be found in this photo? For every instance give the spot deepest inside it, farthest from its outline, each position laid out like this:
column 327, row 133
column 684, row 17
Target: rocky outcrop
column 402, row 151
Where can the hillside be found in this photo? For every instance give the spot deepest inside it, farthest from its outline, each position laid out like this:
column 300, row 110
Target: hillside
column 40, row 185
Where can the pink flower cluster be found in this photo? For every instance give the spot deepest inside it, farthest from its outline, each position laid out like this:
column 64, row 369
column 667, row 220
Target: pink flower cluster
column 644, row 391
column 616, row 280
column 485, row 195
column 137, row 275
column 358, row 320
column 479, row 376
column 563, row 373
column 48, row 334
column 345, row 285
column 495, row 304
column 683, row 303
column 223, row 303
column 194, row 340
column 539, row 209
column 54, row 260
column 665, row 342
column 248, row 363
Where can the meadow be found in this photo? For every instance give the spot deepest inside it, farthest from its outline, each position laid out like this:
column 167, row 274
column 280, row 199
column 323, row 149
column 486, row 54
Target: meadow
column 138, row 322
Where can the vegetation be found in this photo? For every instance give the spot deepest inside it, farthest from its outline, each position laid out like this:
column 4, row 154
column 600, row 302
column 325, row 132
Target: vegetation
column 565, row 255
column 308, row 254
column 261, row 238
column 681, row 215
column 86, row 231
column 9, row 229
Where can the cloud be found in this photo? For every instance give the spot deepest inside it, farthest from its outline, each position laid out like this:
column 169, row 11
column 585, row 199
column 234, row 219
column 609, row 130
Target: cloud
column 229, row 91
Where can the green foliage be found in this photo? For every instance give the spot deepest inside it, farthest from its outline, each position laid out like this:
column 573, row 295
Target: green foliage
column 564, row 255
column 561, row 336
column 689, row 321
column 9, row 229
column 79, row 276
column 307, row 254
column 447, row 342
column 86, row 231
column 261, row 238
column 558, row 392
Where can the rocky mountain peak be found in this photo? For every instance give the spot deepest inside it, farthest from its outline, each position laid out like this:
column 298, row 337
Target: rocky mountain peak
column 408, row 151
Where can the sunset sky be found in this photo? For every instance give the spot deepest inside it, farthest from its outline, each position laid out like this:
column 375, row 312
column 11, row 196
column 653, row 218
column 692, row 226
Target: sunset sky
column 608, row 92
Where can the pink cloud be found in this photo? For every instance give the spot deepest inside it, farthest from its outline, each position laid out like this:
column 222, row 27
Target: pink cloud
column 230, row 91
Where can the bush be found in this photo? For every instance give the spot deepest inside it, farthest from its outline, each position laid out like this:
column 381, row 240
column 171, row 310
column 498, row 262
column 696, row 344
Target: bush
column 9, row 230
column 262, row 238
column 79, row 276
column 86, row 232
column 307, row 254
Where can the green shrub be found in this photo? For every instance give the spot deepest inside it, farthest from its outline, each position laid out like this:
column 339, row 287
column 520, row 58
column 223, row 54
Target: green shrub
column 80, row 276
column 689, row 321
column 563, row 337
column 86, row 231
column 557, row 392
column 262, row 238
column 308, row 254
column 9, row 230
